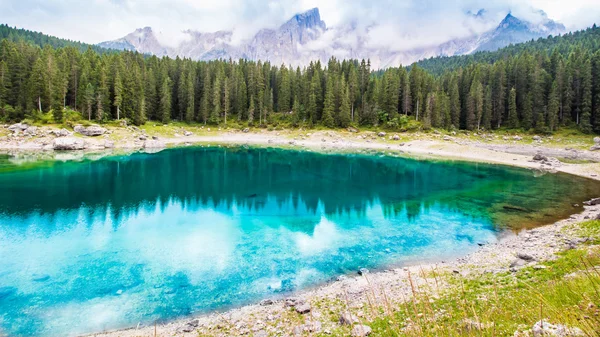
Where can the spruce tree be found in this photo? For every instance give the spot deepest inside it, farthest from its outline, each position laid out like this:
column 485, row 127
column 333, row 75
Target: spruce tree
column 345, row 109
column 164, row 110
column 585, row 123
column 329, row 105
column 513, row 118
column 553, row 107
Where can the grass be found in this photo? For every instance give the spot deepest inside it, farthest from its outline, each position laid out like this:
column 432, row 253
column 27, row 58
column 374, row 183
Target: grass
column 564, row 291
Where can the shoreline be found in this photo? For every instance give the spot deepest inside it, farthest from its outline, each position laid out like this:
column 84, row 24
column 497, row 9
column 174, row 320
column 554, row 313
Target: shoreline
column 510, row 153
column 280, row 316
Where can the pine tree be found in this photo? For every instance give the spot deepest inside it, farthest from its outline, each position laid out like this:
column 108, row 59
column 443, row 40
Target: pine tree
column 345, row 109
column 527, row 115
column 284, row 97
column 207, row 94
column 89, row 100
column 4, row 88
column 454, row 103
column 486, row 118
column 513, row 118
column 189, row 98
column 118, row 90
column 216, row 110
column 585, row 123
column 226, row 100
column 553, row 107
column 164, row 110
column 329, row 105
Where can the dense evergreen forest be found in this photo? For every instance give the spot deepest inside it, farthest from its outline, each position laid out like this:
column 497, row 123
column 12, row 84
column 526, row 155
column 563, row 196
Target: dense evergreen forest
column 40, row 39
column 540, row 85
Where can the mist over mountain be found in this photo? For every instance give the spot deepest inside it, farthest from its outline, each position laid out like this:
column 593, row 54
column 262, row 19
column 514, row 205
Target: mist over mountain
column 305, row 37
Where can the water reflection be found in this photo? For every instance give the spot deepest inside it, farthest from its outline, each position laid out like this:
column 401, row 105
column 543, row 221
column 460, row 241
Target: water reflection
column 110, row 243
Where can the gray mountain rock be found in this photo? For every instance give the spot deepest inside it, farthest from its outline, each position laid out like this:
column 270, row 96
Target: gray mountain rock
column 305, row 38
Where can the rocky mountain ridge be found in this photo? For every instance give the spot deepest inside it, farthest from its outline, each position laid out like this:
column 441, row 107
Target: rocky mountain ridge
column 305, row 37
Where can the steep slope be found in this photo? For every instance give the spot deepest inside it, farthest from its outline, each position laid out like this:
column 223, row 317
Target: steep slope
column 305, row 37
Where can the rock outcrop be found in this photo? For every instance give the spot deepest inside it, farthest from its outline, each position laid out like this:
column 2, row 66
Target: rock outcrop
column 90, row 131
column 68, row 144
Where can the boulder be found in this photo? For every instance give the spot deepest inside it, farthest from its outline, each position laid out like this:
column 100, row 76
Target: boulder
column 537, row 138
column 142, row 137
column 540, row 157
column 68, row 144
column 32, row 130
column 187, row 133
column 61, row 133
column 517, row 138
column 448, row 138
column 525, row 256
column 593, row 202
column 90, row 131
column 360, row 331
column 109, row 144
column 266, row 302
column 363, row 271
column 303, row 308
column 154, row 144
column 596, row 140
column 396, row 137
column 18, row 127
column 348, row 319
column 123, row 122
column 545, row 329
column 381, row 134
column 246, row 130
column 353, row 130
column 595, row 148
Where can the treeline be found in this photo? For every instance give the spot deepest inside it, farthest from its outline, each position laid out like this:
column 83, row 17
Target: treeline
column 589, row 39
column 19, row 34
column 530, row 90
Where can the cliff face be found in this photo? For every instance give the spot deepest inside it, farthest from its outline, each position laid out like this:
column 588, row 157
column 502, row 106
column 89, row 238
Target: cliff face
column 305, row 37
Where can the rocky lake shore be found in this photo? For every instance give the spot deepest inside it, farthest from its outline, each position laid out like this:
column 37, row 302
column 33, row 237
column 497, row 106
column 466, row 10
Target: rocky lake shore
column 344, row 306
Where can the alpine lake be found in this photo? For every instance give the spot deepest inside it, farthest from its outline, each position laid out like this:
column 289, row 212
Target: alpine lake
column 101, row 244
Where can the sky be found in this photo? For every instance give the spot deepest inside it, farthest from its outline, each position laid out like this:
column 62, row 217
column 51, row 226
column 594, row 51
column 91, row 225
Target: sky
column 396, row 21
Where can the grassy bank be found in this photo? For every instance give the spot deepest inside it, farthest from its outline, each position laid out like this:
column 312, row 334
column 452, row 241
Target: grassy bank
column 563, row 291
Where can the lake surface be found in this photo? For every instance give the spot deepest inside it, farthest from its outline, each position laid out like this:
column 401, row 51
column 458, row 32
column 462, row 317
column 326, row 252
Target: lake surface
column 103, row 244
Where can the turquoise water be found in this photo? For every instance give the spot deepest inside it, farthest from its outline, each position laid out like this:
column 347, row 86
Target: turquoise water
column 94, row 245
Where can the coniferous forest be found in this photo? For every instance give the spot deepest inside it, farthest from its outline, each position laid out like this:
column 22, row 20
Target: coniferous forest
column 540, row 85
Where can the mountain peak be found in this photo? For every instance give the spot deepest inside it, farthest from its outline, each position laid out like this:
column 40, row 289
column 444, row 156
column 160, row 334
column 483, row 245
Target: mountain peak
column 310, row 19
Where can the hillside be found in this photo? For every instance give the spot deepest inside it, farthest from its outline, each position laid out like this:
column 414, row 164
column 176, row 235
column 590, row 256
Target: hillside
column 589, row 39
column 40, row 39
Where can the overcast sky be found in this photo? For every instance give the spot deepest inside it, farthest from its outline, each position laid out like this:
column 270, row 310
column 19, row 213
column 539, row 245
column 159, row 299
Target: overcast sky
column 95, row 21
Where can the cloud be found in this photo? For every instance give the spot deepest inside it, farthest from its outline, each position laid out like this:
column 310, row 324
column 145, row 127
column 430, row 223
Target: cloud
column 403, row 23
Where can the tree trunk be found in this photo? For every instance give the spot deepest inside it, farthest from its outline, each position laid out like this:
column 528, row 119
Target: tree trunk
column 118, row 112
column 40, row 103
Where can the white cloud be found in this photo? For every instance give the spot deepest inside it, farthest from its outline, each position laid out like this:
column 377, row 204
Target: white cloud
column 401, row 23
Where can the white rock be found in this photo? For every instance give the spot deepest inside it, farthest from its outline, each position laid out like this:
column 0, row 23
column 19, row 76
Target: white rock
column 360, row 331
column 68, row 143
